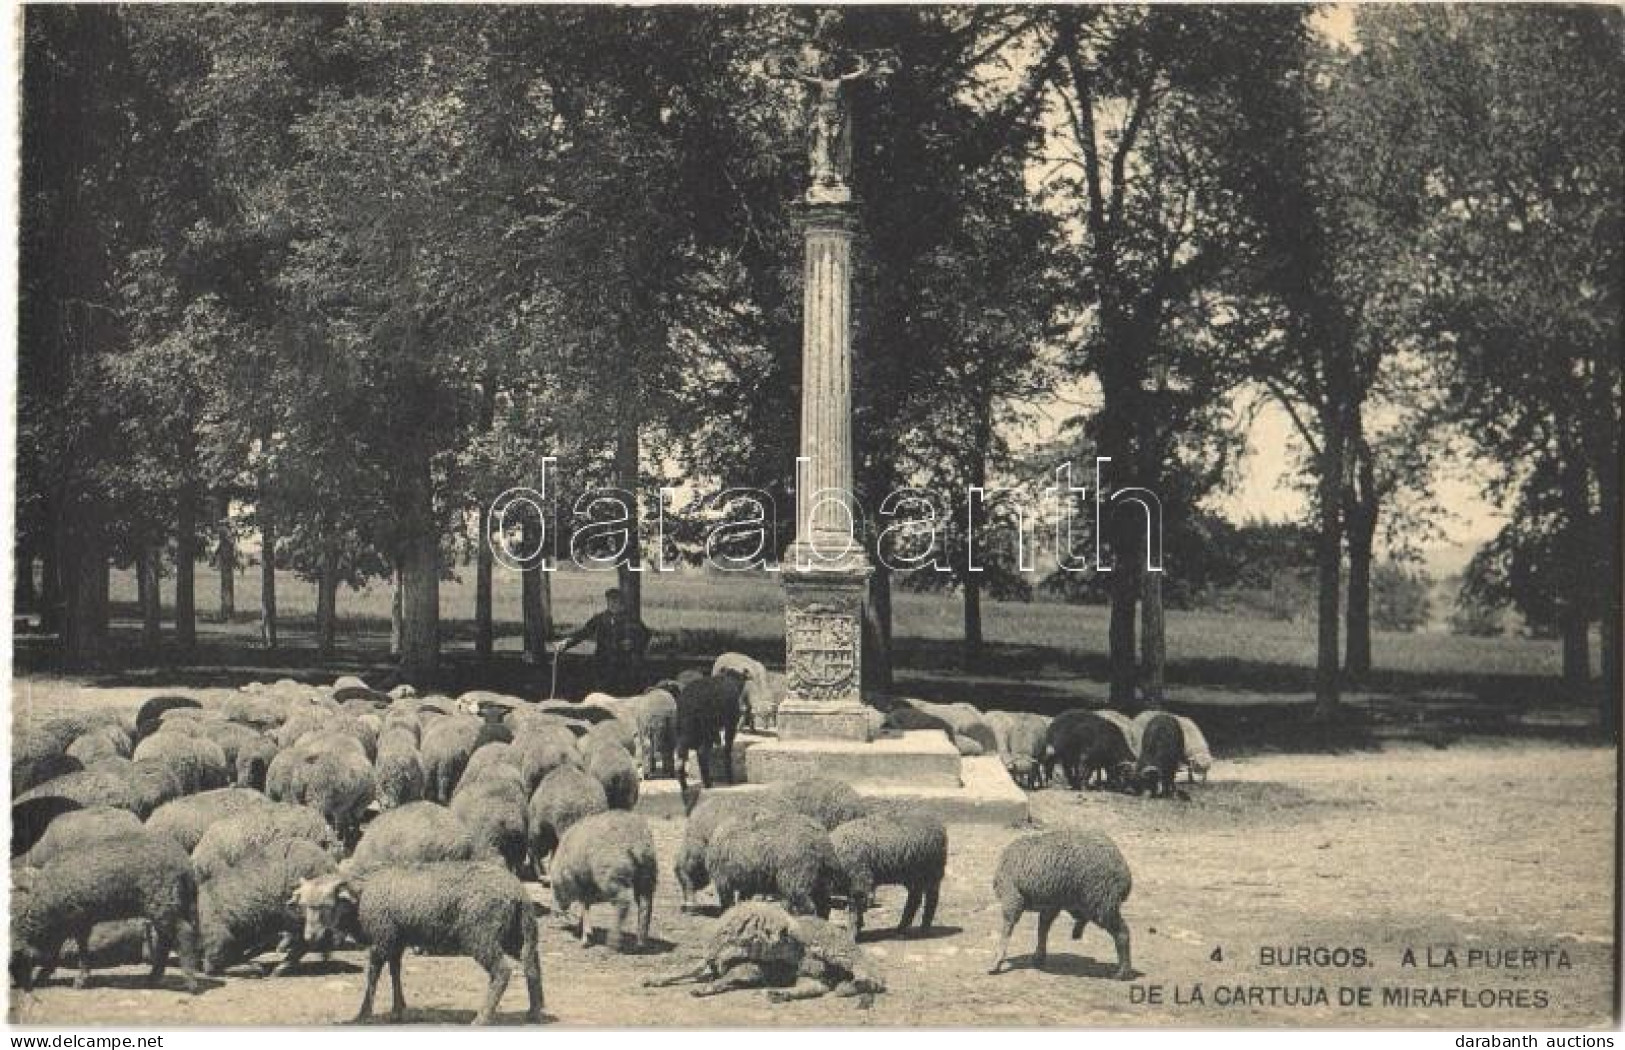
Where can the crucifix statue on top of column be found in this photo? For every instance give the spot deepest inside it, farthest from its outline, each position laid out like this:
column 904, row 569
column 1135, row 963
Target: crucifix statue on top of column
column 821, row 66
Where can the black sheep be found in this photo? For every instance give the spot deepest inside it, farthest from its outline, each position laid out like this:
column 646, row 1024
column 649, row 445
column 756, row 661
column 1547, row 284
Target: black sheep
column 1089, row 748
column 1162, row 752
column 708, row 713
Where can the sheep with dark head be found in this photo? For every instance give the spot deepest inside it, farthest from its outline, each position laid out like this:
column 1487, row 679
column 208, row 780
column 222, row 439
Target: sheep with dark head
column 708, row 714
column 140, row 877
column 139, row 787
column 778, row 854
column 564, row 797
column 475, row 909
column 1075, row 870
column 1162, row 753
column 1088, row 748
column 893, row 847
column 244, row 909
column 253, row 761
column 606, row 857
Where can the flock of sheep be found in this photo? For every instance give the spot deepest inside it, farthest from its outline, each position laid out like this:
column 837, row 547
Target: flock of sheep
column 292, row 817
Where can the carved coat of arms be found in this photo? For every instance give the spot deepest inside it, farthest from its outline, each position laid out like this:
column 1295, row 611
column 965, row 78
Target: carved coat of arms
column 822, row 657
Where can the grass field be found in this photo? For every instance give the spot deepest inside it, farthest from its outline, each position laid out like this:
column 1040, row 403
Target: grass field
column 746, row 609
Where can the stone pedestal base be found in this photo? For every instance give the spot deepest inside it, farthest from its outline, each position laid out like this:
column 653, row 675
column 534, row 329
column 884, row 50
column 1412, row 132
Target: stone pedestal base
column 921, row 759
column 819, row 720
column 823, row 658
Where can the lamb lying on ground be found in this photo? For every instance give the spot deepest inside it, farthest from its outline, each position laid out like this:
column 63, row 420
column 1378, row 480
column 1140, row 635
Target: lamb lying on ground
column 760, row 945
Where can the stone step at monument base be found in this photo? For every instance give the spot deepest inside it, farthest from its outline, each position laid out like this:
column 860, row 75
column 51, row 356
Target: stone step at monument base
column 985, row 794
column 920, row 758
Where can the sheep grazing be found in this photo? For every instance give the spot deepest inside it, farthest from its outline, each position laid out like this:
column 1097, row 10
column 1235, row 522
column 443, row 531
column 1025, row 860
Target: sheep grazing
column 199, row 763
column 397, row 774
column 489, row 758
column 564, row 797
column 1162, row 752
column 253, row 760
column 1075, row 870
column 186, row 819
column 230, row 839
column 32, row 820
column 1198, row 756
column 473, row 909
column 99, row 742
column 763, row 690
column 613, row 768
column 77, row 831
column 704, row 815
column 141, row 877
column 907, row 848
column 1088, row 748
column 759, row 945
column 416, row 833
column 447, row 746
column 542, row 748
column 783, row 855
column 330, row 773
column 606, row 857
column 139, row 787
column 151, row 714
column 494, row 812
column 244, row 910
column 620, row 732
column 708, row 712
column 829, row 802
column 656, row 715
column 30, row 770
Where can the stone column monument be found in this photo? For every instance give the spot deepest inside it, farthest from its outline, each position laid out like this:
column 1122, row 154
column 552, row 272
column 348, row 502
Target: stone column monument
column 826, row 572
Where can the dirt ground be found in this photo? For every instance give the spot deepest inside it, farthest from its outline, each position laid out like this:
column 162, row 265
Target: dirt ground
column 1490, row 847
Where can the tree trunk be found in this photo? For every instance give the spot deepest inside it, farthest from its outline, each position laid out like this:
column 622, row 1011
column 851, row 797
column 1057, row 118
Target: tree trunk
column 879, row 659
column 1357, row 646
column 972, row 653
column 22, row 591
column 1575, row 627
column 1608, row 524
column 420, row 607
column 327, row 593
column 1328, row 566
column 82, row 554
column 267, row 519
column 627, row 479
column 225, row 559
column 1124, row 594
column 186, row 569
column 484, row 631
column 50, row 587
column 148, row 596
column 396, row 617
column 1361, row 515
column 1153, row 639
